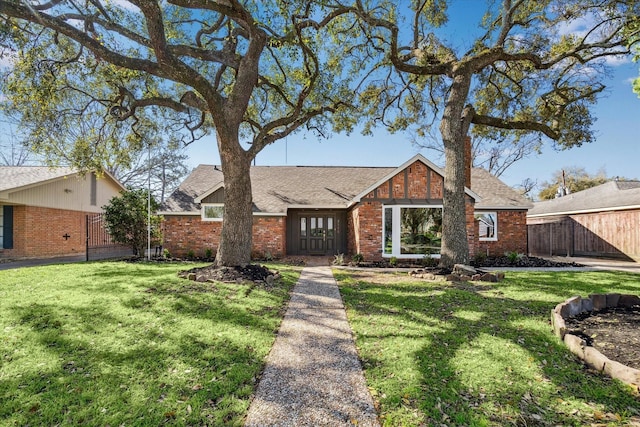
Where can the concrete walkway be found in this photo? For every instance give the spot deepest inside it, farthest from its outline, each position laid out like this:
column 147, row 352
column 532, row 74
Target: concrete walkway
column 313, row 376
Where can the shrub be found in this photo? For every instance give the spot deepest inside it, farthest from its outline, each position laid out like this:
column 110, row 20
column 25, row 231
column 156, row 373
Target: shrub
column 126, row 217
column 513, row 256
column 191, row 254
column 429, row 261
column 166, row 253
column 357, row 258
column 393, row 261
column 208, row 253
column 338, row 259
column 480, row 258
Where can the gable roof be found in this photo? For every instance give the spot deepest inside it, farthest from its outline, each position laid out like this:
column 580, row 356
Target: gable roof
column 278, row 188
column 15, row 178
column 417, row 157
column 612, row 195
column 495, row 194
column 20, row 177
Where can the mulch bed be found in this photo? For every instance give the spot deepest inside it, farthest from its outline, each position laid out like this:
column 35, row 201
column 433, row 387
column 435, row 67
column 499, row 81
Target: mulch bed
column 249, row 273
column 614, row 332
column 521, row 261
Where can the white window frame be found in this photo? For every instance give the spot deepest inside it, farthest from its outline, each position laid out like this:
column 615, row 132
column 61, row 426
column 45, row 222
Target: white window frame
column 204, row 206
column 495, row 226
column 396, row 225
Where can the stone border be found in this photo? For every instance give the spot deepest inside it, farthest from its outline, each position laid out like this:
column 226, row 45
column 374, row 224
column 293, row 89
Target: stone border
column 592, row 357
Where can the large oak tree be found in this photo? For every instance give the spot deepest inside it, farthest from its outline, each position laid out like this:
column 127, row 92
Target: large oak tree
column 251, row 71
column 525, row 73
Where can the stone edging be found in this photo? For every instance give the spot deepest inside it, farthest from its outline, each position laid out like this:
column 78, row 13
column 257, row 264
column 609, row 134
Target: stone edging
column 592, row 357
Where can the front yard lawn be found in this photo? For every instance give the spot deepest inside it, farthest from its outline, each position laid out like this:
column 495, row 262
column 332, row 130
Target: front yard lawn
column 114, row 343
column 479, row 354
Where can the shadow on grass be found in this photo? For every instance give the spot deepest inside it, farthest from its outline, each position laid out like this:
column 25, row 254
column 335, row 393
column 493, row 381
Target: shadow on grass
column 98, row 354
column 441, row 354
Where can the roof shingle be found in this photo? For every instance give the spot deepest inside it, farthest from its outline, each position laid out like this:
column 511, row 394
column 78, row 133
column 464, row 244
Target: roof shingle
column 13, row 177
column 608, row 196
column 277, row 188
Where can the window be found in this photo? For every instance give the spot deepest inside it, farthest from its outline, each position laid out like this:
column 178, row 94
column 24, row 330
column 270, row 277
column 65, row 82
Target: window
column 212, row 212
column 488, row 225
column 411, row 230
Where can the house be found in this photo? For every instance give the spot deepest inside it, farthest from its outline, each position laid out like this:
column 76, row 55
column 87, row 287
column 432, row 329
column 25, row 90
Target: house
column 43, row 211
column 602, row 221
column 379, row 212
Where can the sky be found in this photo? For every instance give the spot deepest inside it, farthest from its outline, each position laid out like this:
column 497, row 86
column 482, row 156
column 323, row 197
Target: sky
column 616, row 150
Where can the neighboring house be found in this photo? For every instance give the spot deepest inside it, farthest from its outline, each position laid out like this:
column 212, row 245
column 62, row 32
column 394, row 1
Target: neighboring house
column 374, row 211
column 43, row 210
column 602, row 221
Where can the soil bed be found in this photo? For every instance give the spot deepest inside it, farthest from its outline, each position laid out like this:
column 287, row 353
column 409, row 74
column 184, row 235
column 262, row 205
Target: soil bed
column 521, row 261
column 614, row 332
column 250, row 273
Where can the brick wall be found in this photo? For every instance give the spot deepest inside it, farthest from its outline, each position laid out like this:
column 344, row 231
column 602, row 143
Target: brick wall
column 269, row 236
column 364, row 221
column 184, row 233
column 364, row 230
column 38, row 232
column 512, row 235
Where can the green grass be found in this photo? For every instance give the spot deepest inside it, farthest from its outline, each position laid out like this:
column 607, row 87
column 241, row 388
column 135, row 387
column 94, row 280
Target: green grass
column 480, row 354
column 111, row 343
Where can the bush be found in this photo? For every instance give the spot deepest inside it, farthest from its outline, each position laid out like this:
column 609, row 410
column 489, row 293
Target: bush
column 357, row 258
column 480, row 258
column 126, row 218
column 338, row 259
column 513, row 256
column 429, row 261
column 393, row 261
column 191, row 255
column 208, row 253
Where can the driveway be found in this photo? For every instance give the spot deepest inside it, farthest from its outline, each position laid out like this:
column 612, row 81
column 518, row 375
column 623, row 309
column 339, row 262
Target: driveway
column 32, row 262
column 602, row 263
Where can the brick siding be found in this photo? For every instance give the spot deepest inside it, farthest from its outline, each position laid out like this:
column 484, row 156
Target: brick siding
column 184, row 233
column 512, row 235
column 38, row 232
column 364, row 221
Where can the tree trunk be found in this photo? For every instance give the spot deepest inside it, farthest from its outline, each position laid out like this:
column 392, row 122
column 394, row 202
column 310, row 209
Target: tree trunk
column 236, row 237
column 453, row 128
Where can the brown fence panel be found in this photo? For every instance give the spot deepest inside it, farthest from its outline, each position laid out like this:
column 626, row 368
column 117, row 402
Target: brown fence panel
column 551, row 237
column 99, row 242
column 603, row 234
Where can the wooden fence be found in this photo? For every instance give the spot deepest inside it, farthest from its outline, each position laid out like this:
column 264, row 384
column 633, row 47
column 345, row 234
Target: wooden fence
column 614, row 234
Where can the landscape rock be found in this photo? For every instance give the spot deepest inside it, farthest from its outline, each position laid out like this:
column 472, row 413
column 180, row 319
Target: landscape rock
column 488, row 277
column 464, row 270
column 628, row 300
column 599, row 301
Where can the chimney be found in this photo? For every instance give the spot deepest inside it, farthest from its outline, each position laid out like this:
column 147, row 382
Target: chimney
column 467, row 161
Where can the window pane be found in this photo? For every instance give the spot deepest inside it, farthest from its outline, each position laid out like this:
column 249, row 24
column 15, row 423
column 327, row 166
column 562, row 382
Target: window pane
column 420, row 230
column 330, row 226
column 213, row 212
column 388, row 230
column 487, row 223
column 303, row 227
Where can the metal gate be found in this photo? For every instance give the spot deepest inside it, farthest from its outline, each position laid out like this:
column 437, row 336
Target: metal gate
column 99, row 242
